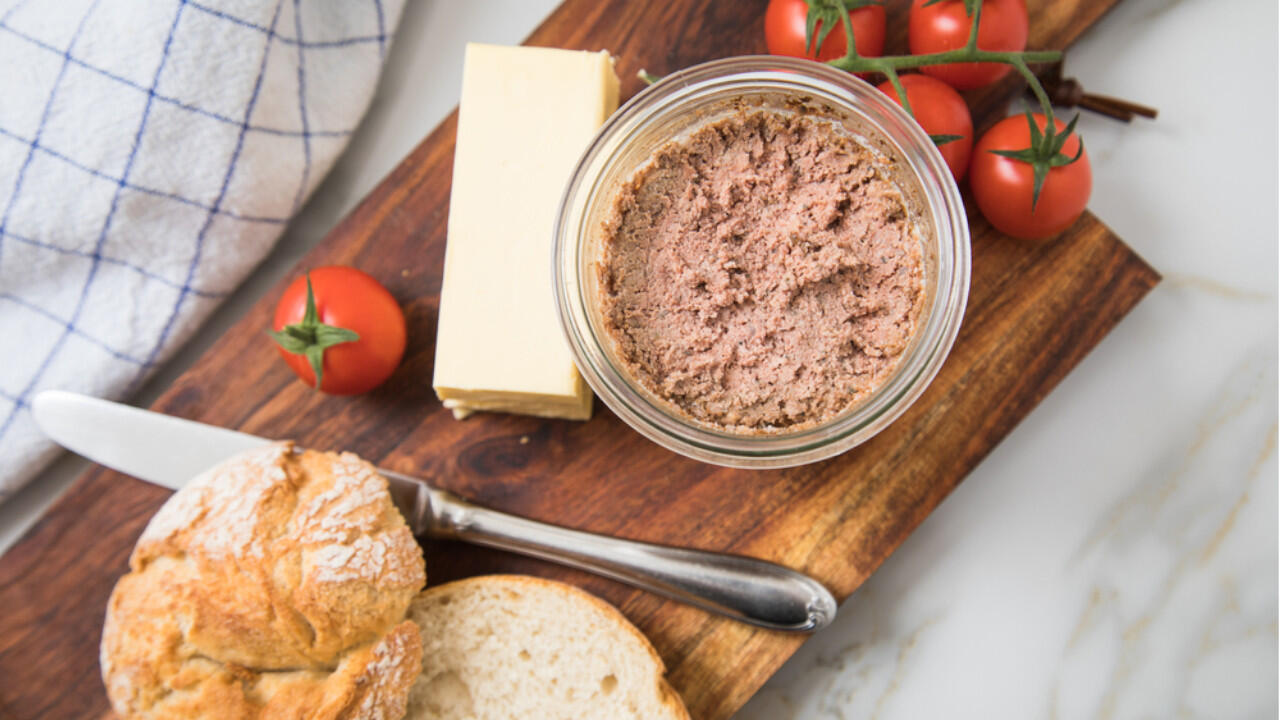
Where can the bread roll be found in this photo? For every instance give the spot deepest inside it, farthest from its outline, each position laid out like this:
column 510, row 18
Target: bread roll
column 506, row 646
column 275, row 585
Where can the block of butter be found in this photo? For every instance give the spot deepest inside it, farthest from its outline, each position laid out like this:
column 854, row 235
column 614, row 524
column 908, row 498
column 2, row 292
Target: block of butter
column 526, row 116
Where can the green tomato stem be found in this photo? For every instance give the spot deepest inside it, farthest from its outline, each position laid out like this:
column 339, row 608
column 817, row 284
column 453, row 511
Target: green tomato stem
column 850, row 47
column 889, row 65
column 1044, row 152
column 1046, row 106
column 972, row 43
column 885, row 63
column 902, row 91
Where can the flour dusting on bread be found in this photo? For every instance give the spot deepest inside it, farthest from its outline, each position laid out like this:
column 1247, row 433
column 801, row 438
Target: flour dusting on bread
column 225, row 498
column 274, row 585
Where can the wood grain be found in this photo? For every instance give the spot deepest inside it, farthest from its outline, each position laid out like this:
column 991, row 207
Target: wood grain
column 1035, row 310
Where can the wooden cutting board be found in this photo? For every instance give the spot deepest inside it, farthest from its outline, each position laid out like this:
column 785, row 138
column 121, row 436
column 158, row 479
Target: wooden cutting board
column 1035, row 310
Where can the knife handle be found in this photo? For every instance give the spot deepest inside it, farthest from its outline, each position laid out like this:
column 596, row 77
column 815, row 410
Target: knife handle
column 752, row 591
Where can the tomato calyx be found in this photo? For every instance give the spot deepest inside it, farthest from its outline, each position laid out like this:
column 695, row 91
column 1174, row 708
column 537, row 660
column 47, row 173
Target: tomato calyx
column 823, row 17
column 311, row 337
column 941, row 140
column 1045, row 151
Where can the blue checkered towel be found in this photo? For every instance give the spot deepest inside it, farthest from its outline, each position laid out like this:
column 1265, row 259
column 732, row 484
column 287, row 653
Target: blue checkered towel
column 151, row 151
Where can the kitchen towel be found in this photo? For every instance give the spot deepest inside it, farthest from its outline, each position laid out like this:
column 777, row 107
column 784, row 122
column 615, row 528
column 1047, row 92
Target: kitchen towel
column 151, row 152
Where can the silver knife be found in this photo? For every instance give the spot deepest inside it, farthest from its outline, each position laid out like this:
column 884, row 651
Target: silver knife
column 168, row 451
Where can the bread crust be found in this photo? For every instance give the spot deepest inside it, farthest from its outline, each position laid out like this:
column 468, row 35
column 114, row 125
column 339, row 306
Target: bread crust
column 669, row 697
column 275, row 585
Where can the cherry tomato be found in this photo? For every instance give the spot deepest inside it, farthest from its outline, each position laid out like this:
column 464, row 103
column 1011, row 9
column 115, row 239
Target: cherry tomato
column 784, row 24
column 945, row 26
column 345, row 299
column 1003, row 186
column 940, row 111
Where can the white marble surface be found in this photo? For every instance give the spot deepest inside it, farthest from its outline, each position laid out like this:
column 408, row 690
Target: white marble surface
column 1116, row 556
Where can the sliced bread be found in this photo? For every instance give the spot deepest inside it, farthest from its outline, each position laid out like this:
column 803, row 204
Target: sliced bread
column 509, row 646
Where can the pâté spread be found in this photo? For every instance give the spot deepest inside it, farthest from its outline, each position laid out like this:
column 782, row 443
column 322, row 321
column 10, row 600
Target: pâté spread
column 762, row 274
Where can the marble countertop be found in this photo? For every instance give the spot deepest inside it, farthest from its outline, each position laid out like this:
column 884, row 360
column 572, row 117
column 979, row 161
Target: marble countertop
column 1116, row 556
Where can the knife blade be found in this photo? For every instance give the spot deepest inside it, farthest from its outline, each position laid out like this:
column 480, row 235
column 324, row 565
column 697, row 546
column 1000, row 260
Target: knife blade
column 168, row 451
column 125, row 438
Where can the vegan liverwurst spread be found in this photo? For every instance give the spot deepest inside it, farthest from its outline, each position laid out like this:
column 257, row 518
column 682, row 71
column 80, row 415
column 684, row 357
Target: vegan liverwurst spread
column 762, row 274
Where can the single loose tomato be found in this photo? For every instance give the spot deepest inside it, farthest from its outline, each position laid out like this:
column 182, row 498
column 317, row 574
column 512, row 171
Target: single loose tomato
column 339, row 330
column 784, row 29
column 941, row 112
column 1004, row 186
column 945, row 26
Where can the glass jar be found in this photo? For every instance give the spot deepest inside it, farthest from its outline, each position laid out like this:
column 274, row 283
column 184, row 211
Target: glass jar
column 674, row 108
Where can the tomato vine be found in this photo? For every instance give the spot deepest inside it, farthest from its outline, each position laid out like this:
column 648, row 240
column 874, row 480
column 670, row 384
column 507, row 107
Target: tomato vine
column 1045, row 149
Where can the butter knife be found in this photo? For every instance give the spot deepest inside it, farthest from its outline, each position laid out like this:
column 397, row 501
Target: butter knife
column 168, row 451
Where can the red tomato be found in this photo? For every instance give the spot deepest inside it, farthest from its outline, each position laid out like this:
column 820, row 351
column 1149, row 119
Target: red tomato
column 784, row 23
column 940, row 111
column 1003, row 186
column 945, row 26
column 345, row 299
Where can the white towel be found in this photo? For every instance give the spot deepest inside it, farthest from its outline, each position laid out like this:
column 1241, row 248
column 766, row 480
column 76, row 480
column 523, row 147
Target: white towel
column 151, row 152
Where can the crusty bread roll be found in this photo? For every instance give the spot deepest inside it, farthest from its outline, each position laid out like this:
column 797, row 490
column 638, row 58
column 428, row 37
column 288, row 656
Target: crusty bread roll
column 275, row 585
column 506, row 646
